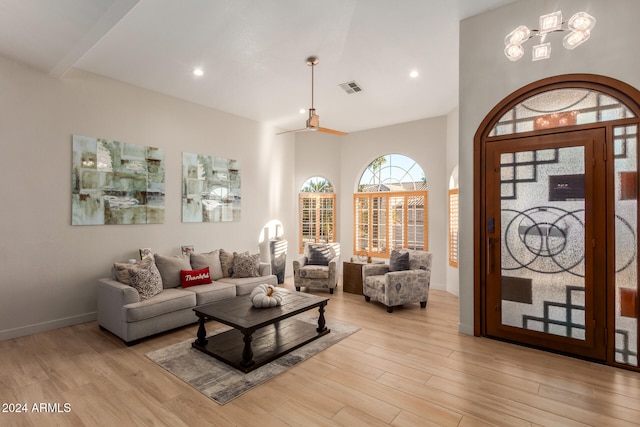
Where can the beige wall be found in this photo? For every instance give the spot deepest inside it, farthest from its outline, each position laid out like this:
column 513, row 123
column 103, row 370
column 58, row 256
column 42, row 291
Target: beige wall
column 453, row 123
column 50, row 268
column 487, row 77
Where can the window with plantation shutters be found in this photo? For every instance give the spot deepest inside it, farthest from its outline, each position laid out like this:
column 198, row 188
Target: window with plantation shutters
column 390, row 207
column 389, row 220
column 316, row 212
column 453, row 227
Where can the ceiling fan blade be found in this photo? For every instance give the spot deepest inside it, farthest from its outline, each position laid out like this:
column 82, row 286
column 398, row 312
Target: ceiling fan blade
column 332, row 131
column 291, row 131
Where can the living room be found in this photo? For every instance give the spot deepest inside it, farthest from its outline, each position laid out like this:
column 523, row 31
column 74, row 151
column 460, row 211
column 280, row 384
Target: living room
column 51, row 267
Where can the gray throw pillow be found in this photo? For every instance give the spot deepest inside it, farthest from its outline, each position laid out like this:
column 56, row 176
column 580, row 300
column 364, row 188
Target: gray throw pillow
column 226, row 261
column 245, row 265
column 211, row 260
column 399, row 261
column 319, row 255
column 170, row 266
column 145, row 278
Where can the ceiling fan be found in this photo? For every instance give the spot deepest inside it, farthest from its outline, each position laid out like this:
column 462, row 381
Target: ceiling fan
column 313, row 122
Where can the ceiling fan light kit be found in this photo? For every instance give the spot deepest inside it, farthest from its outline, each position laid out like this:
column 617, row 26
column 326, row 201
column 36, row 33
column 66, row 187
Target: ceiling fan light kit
column 313, row 122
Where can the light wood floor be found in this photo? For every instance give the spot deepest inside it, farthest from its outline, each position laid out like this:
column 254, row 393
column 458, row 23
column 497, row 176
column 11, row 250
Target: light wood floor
column 408, row 368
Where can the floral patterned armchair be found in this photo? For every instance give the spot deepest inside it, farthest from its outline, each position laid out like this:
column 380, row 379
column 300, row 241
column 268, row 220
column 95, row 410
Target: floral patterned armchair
column 404, row 280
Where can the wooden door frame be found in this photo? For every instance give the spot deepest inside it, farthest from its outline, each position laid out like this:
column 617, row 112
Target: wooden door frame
column 626, row 94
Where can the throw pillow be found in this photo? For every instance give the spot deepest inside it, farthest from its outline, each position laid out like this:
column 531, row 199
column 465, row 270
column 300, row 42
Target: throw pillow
column 245, row 265
column 146, row 252
column 399, row 261
column 226, row 261
column 121, row 271
column 211, row 260
column 195, row 277
column 145, row 278
column 319, row 255
column 170, row 266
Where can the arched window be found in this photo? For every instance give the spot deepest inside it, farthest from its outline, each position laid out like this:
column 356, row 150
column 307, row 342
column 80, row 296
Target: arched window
column 390, row 207
column 316, row 211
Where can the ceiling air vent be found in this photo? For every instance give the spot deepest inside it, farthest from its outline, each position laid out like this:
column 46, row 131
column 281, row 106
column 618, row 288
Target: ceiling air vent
column 351, row 87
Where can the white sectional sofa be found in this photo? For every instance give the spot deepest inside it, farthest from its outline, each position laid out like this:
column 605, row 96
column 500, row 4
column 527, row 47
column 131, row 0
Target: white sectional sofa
column 129, row 311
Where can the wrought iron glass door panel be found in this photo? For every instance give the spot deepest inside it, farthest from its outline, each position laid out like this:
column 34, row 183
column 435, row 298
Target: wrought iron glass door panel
column 625, row 177
column 543, row 275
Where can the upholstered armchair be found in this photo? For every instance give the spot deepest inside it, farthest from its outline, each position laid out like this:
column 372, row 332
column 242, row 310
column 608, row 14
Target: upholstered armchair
column 404, row 280
column 318, row 268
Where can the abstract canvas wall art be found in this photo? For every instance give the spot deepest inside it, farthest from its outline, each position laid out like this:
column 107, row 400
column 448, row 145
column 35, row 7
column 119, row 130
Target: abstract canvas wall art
column 116, row 183
column 210, row 188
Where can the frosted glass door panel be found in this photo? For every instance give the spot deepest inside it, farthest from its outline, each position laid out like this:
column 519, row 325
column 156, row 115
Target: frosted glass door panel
column 542, row 196
column 626, row 208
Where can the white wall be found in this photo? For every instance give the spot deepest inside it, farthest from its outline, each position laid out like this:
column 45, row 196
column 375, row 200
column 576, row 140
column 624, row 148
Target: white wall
column 487, row 76
column 348, row 156
column 453, row 123
column 50, row 268
column 317, row 154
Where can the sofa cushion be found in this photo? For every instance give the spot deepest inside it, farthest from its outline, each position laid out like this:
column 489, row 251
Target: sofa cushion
column 167, row 301
column 170, row 266
column 245, row 265
column 245, row 285
column 226, row 261
column 399, row 261
column 190, row 278
column 319, row 255
column 145, row 278
column 215, row 291
column 211, row 260
column 314, row 272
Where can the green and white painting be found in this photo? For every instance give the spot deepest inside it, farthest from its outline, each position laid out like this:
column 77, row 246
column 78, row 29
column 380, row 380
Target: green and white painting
column 210, row 189
column 116, row 183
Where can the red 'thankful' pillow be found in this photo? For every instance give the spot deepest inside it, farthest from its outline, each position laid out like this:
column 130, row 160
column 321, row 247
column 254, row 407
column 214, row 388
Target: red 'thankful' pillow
column 195, row 277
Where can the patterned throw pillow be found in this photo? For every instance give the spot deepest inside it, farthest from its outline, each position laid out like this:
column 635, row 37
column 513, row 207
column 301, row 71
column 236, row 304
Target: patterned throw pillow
column 226, row 262
column 195, row 277
column 145, row 278
column 245, row 265
column 399, row 261
column 319, row 255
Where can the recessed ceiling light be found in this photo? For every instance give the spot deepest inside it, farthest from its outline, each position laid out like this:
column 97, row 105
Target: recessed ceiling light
column 414, row 74
column 198, row 72
column 302, row 111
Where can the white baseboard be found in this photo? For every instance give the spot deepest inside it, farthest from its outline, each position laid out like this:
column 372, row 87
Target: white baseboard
column 465, row 329
column 438, row 286
column 22, row 331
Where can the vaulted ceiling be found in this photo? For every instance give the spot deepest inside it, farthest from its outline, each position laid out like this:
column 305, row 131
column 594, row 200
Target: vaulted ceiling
column 253, row 52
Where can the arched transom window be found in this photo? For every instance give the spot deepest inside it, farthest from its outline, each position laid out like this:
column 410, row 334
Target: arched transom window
column 561, row 107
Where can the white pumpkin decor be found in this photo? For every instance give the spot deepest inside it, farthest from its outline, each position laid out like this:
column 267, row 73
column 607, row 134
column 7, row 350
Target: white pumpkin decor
column 265, row 296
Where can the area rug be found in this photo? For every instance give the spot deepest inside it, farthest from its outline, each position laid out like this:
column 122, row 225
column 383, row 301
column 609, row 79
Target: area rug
column 223, row 383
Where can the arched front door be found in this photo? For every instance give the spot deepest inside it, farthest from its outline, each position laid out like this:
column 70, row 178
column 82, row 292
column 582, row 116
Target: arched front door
column 556, row 219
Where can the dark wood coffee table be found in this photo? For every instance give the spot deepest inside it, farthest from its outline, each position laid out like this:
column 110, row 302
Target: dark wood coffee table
column 260, row 335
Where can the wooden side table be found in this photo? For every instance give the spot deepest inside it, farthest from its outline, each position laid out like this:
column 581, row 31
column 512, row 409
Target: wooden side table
column 352, row 277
